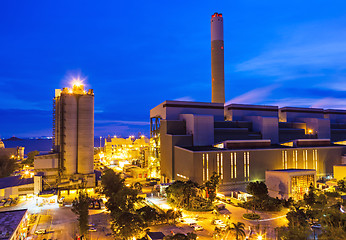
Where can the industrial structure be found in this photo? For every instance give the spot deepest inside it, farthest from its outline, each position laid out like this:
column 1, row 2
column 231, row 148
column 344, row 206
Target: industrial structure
column 71, row 161
column 217, row 59
column 192, row 140
column 130, row 150
column 14, row 153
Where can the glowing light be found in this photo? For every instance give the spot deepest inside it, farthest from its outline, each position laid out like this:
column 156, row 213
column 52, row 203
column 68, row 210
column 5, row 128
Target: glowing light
column 77, row 82
column 259, row 237
column 310, row 131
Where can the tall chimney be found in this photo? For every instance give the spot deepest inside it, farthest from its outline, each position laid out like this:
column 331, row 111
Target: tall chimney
column 217, row 59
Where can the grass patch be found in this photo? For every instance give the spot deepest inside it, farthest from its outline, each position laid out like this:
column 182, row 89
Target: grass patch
column 251, row 216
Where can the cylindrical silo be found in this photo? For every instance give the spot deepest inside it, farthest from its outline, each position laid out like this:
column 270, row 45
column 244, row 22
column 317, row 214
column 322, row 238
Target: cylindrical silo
column 86, row 133
column 69, row 133
column 217, row 59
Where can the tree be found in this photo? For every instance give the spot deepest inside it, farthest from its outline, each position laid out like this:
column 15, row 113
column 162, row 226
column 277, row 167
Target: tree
column 333, row 224
column 7, row 166
column 239, row 229
column 121, row 201
column 211, row 185
column 30, row 159
column 258, row 190
column 128, row 225
column 310, row 198
column 80, row 206
column 148, row 214
column 342, row 185
column 181, row 236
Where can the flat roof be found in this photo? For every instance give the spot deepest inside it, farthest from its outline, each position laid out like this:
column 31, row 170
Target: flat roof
column 9, row 221
column 14, row 181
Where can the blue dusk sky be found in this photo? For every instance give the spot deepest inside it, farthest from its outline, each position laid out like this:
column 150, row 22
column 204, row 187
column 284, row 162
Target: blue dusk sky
column 137, row 54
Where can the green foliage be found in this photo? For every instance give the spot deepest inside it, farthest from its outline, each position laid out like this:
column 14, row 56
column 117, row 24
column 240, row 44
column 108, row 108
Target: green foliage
column 294, row 233
column 181, row 236
column 211, row 185
column 80, row 206
column 148, row 214
column 297, row 217
column 30, row 159
column 238, row 229
column 310, row 197
column 187, row 195
column 251, row 216
column 333, row 223
column 121, row 201
column 257, row 189
column 128, row 225
column 7, row 166
column 342, row 185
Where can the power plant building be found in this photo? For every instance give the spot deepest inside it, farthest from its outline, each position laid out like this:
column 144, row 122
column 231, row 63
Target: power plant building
column 72, row 158
column 239, row 142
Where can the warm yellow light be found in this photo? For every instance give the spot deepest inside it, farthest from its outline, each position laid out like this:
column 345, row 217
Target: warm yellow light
column 77, row 82
column 310, row 131
column 259, row 237
column 26, row 172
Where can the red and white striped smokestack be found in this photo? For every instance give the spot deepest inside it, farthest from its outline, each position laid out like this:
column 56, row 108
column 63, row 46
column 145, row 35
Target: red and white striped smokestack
column 217, row 59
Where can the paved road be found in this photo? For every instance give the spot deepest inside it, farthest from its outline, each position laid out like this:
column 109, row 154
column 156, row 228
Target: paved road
column 267, row 223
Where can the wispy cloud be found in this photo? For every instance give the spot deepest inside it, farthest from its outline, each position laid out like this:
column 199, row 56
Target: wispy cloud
column 187, row 98
column 311, row 50
column 254, row 96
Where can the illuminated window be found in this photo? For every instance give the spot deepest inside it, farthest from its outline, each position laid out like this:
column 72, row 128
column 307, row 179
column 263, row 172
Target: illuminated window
column 300, row 185
column 295, row 158
column 203, row 159
column 207, row 166
column 218, row 164
column 305, row 159
column 284, row 159
column 233, row 165
column 246, row 166
column 314, row 158
column 221, row 166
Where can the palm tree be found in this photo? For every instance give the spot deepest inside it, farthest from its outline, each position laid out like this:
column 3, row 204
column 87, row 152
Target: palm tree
column 239, row 229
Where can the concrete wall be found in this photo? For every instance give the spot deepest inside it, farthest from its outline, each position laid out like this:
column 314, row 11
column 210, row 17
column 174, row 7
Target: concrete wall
column 260, row 160
column 46, row 161
column 339, row 171
column 291, row 114
column 13, row 192
column 238, row 112
column 171, row 110
column 201, row 127
column 278, row 184
column 319, row 126
column 85, row 134
column 168, row 142
column 335, row 116
column 267, row 126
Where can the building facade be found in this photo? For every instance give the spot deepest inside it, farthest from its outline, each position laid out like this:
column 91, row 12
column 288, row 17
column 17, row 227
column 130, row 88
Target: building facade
column 241, row 142
column 72, row 159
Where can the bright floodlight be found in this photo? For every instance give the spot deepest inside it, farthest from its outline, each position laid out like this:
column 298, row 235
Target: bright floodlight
column 77, row 82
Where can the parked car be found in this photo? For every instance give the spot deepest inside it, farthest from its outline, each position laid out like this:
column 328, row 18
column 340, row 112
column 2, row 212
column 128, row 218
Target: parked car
column 217, row 222
column 198, row 228
column 193, row 224
column 41, row 231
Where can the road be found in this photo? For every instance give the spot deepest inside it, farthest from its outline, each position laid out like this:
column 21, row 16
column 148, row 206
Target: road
column 231, row 214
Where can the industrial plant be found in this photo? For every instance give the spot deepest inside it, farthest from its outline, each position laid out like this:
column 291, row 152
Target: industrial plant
column 243, row 143
column 71, row 162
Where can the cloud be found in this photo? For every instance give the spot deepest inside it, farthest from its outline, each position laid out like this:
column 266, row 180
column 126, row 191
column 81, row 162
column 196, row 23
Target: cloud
column 254, row 96
column 187, row 98
column 310, row 50
column 141, row 123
